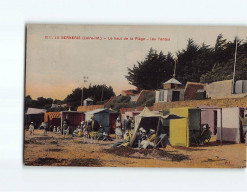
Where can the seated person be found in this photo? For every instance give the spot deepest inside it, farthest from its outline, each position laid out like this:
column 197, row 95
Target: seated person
column 149, row 141
column 101, row 131
column 126, row 139
column 54, row 129
column 58, row 129
column 142, row 135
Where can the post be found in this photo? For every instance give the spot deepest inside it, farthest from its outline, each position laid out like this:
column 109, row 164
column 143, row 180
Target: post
column 174, row 73
column 102, row 93
column 61, row 127
column 158, row 127
column 82, row 96
column 234, row 67
column 221, row 126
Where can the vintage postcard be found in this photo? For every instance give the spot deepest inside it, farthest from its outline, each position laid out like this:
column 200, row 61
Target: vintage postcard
column 135, row 96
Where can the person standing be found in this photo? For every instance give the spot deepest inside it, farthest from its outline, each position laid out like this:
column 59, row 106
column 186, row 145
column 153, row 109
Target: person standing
column 94, row 129
column 118, row 131
column 31, row 128
column 85, row 132
column 65, row 128
column 127, row 124
column 46, row 126
column 132, row 126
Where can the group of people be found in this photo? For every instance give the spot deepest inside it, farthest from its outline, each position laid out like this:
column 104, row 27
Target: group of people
column 92, row 130
column 146, row 140
column 126, row 129
column 31, row 128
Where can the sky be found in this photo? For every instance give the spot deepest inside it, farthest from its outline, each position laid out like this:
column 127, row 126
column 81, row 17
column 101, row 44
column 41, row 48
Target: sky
column 54, row 67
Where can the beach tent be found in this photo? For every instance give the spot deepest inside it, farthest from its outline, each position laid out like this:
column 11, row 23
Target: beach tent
column 182, row 131
column 105, row 117
column 149, row 120
column 35, row 115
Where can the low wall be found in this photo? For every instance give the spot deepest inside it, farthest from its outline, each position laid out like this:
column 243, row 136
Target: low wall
column 227, row 102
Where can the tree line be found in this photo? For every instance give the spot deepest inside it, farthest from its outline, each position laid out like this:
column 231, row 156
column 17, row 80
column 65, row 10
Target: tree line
column 196, row 63
column 98, row 93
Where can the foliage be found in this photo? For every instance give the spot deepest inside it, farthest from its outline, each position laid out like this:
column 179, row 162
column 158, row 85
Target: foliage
column 124, row 102
column 152, row 72
column 196, row 63
column 224, row 61
column 98, row 93
column 41, row 102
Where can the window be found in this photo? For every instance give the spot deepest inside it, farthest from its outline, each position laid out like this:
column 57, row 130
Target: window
column 161, row 96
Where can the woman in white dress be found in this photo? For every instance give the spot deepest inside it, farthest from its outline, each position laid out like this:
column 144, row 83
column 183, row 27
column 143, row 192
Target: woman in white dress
column 118, row 130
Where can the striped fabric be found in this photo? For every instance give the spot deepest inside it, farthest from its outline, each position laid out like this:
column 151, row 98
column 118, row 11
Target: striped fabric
column 50, row 115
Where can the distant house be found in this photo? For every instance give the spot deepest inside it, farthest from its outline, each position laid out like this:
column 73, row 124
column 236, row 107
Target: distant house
column 192, row 91
column 88, row 102
column 141, row 96
column 130, row 92
column 87, row 108
column 132, row 112
column 241, row 86
column 172, row 90
column 223, row 89
column 59, row 105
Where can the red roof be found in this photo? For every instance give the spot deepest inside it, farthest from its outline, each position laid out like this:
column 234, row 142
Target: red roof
column 129, row 92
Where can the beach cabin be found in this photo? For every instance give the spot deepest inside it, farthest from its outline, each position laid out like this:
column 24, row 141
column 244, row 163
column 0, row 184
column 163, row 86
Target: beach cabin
column 232, row 128
column 209, row 115
column 36, row 116
column 184, row 130
column 53, row 119
column 106, row 117
column 74, row 118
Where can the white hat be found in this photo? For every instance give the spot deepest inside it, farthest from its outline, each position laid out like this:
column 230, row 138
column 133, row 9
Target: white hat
column 152, row 130
column 142, row 129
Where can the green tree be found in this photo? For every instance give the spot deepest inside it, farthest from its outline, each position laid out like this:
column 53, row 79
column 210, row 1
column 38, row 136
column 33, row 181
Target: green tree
column 99, row 93
column 193, row 61
column 152, row 72
column 224, row 53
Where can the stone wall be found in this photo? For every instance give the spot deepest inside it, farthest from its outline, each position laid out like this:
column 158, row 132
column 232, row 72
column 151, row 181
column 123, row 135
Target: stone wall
column 227, row 102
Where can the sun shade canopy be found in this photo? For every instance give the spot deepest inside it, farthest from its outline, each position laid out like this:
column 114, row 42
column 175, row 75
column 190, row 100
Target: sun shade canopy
column 146, row 113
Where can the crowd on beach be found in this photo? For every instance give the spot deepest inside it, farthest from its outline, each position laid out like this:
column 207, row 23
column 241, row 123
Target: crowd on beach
column 92, row 131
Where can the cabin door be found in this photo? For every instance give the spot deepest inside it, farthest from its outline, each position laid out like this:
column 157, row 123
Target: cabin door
column 175, row 96
column 215, row 122
column 242, row 134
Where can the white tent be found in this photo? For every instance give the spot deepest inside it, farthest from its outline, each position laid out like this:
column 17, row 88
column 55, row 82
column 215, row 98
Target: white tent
column 145, row 114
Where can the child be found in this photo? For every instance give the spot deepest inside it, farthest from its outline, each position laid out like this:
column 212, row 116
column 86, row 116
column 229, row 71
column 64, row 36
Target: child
column 31, row 128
